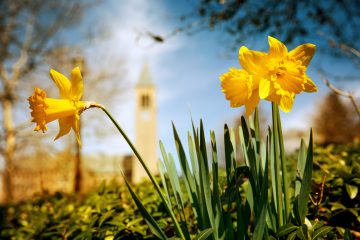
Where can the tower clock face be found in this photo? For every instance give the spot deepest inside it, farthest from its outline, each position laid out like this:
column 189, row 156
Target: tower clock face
column 145, row 115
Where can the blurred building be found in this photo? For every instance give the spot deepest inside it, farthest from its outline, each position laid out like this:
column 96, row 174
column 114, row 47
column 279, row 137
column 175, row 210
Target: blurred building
column 146, row 124
column 57, row 173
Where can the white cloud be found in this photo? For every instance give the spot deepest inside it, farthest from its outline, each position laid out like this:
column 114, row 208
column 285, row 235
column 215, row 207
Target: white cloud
column 128, row 26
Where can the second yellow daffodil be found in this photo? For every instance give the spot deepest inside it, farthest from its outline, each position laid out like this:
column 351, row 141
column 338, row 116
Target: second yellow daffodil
column 276, row 76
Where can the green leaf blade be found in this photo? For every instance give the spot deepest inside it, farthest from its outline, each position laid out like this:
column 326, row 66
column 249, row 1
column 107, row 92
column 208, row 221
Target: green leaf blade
column 204, row 234
column 286, row 230
column 306, row 183
column 154, row 227
column 321, row 232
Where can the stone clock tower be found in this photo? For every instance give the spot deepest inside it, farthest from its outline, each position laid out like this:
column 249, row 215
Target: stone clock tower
column 146, row 129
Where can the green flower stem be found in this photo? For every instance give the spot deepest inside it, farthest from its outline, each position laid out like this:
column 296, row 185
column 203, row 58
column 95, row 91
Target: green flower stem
column 177, row 226
column 257, row 124
column 283, row 168
column 277, row 167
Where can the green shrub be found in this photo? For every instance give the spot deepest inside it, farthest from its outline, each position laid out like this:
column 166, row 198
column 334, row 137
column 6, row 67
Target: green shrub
column 109, row 213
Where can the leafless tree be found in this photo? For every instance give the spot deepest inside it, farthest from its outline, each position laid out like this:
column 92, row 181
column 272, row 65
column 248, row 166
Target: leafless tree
column 29, row 30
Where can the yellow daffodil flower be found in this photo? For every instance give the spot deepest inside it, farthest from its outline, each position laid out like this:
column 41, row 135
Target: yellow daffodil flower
column 276, row 76
column 67, row 109
column 282, row 74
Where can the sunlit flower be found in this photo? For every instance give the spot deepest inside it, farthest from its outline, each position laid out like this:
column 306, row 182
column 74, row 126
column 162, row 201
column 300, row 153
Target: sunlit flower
column 240, row 88
column 276, row 76
column 281, row 74
column 67, row 109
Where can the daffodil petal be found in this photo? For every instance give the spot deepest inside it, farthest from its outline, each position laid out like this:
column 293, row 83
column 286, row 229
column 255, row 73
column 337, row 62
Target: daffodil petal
column 304, row 53
column 252, row 61
column 252, row 102
column 277, row 49
column 286, row 102
column 76, row 127
column 76, row 84
column 64, row 126
column 236, row 85
column 62, row 83
column 309, row 85
column 264, row 88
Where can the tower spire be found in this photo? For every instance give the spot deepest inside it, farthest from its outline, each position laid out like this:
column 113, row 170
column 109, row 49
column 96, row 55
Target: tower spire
column 145, row 79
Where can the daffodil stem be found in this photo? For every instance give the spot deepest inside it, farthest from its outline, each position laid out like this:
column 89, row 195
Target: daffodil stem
column 137, row 154
column 283, row 169
column 279, row 199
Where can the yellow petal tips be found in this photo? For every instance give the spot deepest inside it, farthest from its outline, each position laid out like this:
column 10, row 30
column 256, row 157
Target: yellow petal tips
column 277, row 49
column 62, row 83
column 76, row 84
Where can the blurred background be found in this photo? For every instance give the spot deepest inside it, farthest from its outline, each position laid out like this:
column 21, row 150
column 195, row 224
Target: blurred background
column 153, row 63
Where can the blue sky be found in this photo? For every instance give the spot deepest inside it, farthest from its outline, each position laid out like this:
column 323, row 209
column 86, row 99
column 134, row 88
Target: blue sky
column 185, row 69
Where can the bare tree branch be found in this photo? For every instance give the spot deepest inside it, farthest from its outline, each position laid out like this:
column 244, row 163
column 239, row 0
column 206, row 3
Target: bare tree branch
column 349, row 51
column 6, row 35
column 3, row 74
column 23, row 58
column 342, row 93
column 28, row 30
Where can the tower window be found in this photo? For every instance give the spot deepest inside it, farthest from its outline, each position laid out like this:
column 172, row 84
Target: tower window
column 145, row 101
